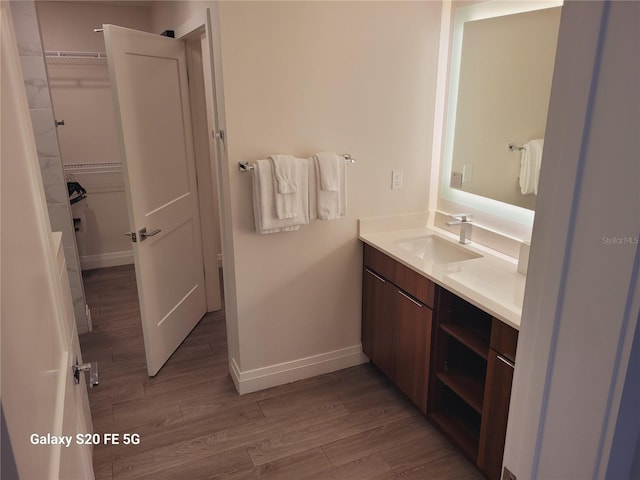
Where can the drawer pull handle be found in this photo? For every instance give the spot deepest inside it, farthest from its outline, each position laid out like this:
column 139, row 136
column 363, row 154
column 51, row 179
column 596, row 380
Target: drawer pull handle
column 408, row 297
column 507, row 361
column 376, row 275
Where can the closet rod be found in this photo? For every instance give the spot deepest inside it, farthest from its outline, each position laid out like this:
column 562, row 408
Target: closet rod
column 245, row 167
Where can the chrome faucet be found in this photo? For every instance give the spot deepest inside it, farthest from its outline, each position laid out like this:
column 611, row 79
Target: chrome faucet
column 464, row 220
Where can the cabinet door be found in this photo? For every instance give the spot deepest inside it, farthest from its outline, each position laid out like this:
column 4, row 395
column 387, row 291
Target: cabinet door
column 377, row 327
column 411, row 346
column 495, row 413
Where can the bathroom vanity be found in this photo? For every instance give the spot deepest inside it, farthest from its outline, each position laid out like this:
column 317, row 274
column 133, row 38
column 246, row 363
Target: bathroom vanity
column 441, row 319
column 441, row 322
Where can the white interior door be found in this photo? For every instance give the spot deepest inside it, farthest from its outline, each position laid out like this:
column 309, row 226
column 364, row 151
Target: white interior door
column 149, row 81
column 42, row 404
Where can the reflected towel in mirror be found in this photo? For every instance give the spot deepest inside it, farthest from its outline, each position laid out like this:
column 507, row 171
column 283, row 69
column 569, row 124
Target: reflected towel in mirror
column 530, row 162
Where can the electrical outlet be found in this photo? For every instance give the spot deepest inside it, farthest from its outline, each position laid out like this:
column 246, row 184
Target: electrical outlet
column 456, row 180
column 396, row 179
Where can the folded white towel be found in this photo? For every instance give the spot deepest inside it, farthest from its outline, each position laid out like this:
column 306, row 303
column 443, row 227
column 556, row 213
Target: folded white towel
column 343, row 188
column 264, row 207
column 313, row 188
column 285, row 173
column 530, row 163
column 328, row 168
column 331, row 194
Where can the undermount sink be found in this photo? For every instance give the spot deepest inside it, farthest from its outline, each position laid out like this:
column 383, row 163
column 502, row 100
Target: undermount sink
column 436, row 250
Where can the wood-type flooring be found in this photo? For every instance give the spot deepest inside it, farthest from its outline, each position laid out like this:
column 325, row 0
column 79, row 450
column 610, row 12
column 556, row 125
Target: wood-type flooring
column 348, row 425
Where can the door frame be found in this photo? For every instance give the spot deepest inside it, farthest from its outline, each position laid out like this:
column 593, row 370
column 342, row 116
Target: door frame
column 207, row 160
column 206, row 171
column 211, row 53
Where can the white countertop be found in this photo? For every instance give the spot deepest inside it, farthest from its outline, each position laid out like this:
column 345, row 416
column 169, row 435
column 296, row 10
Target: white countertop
column 490, row 282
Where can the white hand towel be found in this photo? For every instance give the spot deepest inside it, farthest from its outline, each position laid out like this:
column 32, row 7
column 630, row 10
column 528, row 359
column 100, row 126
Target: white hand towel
column 264, row 208
column 313, row 188
column 343, row 188
column 331, row 201
column 329, row 169
column 327, row 204
column 539, row 144
column 284, row 170
column 285, row 173
column 530, row 163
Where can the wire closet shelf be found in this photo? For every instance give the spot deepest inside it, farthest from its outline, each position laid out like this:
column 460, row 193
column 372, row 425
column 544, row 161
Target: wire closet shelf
column 99, row 177
column 67, row 57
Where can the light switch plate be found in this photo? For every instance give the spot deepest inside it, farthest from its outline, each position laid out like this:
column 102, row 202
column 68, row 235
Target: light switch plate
column 456, row 180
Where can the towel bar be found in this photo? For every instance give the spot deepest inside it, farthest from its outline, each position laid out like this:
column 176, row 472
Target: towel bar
column 245, row 167
column 512, row 147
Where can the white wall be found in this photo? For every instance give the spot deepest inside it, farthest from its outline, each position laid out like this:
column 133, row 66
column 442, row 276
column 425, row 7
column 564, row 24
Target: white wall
column 81, row 95
column 172, row 15
column 300, row 77
column 69, row 25
column 573, row 381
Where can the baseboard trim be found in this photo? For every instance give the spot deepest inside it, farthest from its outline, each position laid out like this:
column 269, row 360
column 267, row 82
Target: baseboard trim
column 102, row 260
column 281, row 373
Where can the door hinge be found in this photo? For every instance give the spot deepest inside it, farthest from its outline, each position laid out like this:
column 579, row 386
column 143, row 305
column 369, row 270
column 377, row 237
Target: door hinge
column 219, row 134
column 92, row 368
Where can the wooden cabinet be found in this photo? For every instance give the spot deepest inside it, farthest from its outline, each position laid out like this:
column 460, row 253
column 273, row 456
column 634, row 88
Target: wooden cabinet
column 453, row 360
column 377, row 332
column 396, row 323
column 470, row 383
column 497, row 395
column 411, row 347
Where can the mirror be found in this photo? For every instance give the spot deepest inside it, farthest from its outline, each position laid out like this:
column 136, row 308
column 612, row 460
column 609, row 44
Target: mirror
column 502, row 59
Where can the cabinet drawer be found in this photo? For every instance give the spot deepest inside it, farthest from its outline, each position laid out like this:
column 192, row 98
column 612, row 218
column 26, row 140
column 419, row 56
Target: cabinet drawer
column 411, row 282
column 504, row 339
